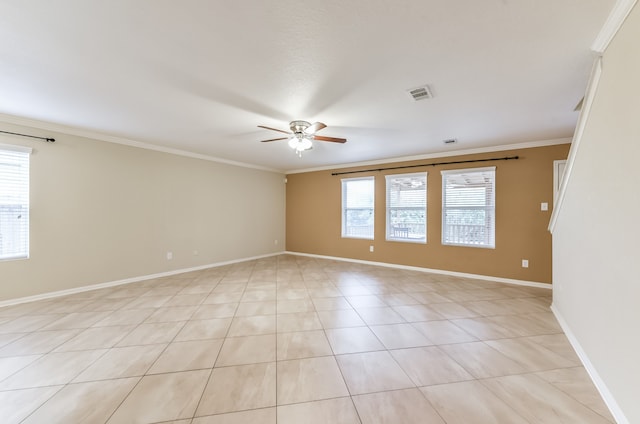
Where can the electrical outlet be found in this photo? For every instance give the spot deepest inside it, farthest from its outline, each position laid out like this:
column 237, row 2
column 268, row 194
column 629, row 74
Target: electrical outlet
column 169, row 256
column 275, row 242
column 370, row 248
column 525, row 263
column 196, row 253
column 544, row 206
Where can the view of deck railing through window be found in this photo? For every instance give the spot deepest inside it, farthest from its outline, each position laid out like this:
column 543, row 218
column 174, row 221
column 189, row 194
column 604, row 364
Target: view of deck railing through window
column 407, row 207
column 358, row 207
column 468, row 207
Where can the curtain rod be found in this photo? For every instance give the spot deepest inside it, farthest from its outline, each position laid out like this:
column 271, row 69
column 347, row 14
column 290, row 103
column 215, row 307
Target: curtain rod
column 47, row 139
column 426, row 164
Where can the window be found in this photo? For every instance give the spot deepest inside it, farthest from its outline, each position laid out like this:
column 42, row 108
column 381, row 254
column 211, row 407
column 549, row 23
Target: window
column 407, row 207
column 357, row 207
column 14, row 202
column 468, row 207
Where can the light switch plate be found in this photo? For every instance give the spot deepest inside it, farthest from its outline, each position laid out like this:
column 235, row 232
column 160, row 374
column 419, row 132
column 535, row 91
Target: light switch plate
column 544, row 206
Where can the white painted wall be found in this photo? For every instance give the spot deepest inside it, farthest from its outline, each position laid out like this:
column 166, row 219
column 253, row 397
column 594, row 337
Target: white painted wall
column 596, row 239
column 102, row 212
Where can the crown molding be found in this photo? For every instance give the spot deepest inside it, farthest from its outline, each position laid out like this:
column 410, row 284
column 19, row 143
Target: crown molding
column 79, row 132
column 492, row 149
column 612, row 25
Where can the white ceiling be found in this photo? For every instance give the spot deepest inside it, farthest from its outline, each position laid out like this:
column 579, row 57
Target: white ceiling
column 200, row 75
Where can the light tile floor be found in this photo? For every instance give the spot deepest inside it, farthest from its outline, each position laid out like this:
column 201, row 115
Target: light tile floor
column 293, row 339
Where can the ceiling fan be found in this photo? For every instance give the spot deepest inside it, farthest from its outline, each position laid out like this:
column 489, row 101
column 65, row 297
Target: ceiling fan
column 301, row 135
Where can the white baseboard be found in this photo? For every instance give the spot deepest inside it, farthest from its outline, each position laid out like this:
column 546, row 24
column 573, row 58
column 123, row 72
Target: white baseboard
column 81, row 289
column 435, row 271
column 608, row 398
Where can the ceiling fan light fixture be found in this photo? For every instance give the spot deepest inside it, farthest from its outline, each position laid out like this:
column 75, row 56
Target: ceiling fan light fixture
column 305, row 144
column 300, row 143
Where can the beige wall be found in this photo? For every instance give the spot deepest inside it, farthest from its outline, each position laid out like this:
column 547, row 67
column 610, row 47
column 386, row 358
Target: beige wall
column 314, row 218
column 102, row 212
column 595, row 240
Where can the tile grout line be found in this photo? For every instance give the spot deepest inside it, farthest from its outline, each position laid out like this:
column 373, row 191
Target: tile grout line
column 148, row 368
column 335, row 359
column 209, row 378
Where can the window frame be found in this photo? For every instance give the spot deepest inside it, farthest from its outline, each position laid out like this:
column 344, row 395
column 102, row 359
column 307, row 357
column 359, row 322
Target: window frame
column 388, row 209
column 489, row 209
column 20, row 190
column 344, row 210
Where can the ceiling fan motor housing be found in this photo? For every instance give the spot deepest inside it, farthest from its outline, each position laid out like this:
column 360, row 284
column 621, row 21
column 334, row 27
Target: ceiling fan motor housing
column 299, row 126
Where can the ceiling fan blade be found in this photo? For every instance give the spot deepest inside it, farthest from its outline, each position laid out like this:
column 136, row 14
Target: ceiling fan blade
column 274, row 139
column 274, row 129
column 313, row 128
column 331, row 139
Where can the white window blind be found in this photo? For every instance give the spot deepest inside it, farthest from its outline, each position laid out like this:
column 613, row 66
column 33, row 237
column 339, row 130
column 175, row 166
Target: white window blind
column 14, row 202
column 407, row 207
column 468, row 207
column 358, row 195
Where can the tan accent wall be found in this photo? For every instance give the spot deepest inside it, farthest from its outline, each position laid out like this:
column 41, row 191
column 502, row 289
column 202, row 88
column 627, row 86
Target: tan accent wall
column 314, row 217
column 102, row 212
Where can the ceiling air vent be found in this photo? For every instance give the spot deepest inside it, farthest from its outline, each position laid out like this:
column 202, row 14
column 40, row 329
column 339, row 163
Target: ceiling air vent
column 420, row 93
